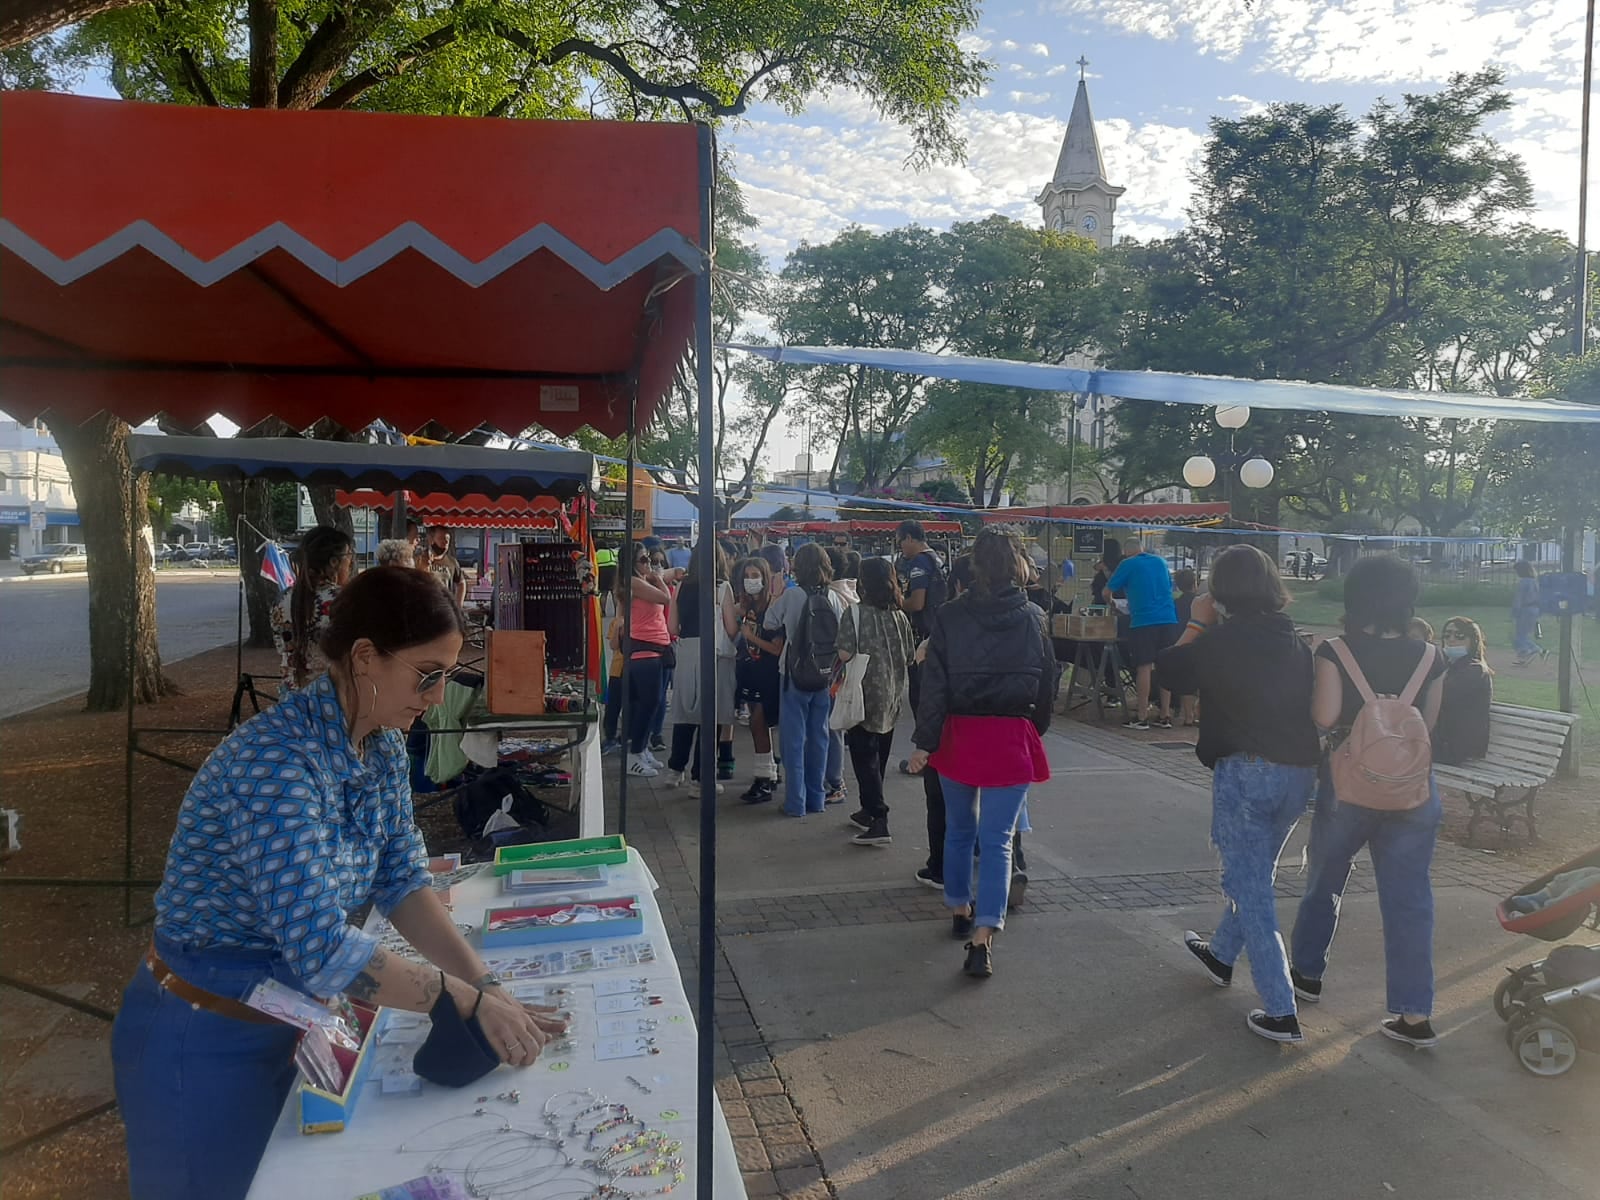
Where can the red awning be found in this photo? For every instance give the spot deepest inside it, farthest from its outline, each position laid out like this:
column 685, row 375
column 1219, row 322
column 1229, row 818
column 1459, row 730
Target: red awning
column 473, row 511
column 354, row 266
column 1153, row 514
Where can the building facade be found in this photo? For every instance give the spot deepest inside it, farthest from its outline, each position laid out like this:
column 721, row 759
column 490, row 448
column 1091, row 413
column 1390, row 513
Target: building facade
column 37, row 505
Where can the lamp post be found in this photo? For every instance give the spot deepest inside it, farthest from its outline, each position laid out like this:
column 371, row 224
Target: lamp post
column 1200, row 470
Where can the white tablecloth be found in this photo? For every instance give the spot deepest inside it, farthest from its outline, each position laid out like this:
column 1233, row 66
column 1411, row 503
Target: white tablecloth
column 366, row 1155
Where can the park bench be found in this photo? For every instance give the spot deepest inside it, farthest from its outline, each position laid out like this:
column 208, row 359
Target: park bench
column 1525, row 747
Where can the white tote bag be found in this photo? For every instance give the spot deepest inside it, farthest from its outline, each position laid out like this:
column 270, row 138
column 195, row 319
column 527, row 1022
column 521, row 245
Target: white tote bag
column 849, row 699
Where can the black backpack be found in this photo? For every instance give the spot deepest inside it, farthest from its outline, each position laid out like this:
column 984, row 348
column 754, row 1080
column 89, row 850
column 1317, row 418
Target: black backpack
column 815, row 649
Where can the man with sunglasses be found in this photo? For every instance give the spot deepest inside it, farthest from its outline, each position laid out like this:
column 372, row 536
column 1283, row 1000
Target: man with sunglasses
column 442, row 565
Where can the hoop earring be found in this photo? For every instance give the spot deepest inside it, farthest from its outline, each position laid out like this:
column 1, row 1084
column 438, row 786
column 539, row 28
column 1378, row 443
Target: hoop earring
column 362, row 716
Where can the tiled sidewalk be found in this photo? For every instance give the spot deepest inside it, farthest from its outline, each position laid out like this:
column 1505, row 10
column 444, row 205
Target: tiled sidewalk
column 774, row 1147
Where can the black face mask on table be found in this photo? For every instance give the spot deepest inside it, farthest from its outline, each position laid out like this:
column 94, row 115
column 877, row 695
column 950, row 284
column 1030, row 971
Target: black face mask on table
column 457, row 1052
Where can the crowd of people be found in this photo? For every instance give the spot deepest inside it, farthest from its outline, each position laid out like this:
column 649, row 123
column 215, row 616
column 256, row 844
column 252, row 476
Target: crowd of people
column 303, row 814
column 965, row 651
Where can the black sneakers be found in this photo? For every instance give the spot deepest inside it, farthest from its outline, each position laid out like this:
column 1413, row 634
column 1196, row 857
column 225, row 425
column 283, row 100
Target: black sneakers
column 861, row 819
column 980, row 963
column 876, row 834
column 760, row 791
column 1420, row 1035
column 1275, row 1029
column 928, row 877
column 1221, row 973
column 1309, row 990
column 960, row 926
column 1018, row 892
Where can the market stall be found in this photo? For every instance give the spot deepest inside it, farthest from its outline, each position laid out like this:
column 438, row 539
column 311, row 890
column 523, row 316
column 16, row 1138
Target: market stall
column 354, row 267
column 540, row 481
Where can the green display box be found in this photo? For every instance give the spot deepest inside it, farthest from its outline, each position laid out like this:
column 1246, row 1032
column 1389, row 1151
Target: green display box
column 578, row 852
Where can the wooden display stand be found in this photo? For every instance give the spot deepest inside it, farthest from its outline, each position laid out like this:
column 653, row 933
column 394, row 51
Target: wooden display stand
column 514, row 684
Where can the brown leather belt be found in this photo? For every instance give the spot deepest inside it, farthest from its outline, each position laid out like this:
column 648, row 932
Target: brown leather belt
column 199, row 997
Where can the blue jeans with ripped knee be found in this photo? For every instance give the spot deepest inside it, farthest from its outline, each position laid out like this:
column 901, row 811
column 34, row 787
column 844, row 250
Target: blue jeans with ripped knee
column 1254, row 807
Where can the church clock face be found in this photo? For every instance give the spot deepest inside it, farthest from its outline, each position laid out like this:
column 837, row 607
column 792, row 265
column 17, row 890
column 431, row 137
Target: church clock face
column 1059, row 222
column 1090, row 224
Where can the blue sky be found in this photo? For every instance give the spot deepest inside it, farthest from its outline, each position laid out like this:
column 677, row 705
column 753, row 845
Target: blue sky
column 1159, row 71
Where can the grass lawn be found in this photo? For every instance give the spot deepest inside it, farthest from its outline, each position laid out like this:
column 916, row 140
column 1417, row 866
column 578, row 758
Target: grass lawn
column 1533, row 686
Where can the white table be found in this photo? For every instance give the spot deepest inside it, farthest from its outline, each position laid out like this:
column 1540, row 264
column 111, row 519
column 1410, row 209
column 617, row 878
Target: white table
column 366, row 1156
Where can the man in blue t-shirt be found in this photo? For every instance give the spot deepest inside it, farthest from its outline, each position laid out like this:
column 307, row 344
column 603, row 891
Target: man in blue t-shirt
column 1152, row 625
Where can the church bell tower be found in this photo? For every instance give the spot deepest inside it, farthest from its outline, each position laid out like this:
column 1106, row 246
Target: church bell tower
column 1079, row 198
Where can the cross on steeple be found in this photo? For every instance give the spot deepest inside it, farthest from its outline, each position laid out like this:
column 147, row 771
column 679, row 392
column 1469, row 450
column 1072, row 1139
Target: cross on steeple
column 1083, row 67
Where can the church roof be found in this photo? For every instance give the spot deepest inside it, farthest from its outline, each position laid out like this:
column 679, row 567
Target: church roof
column 1080, row 163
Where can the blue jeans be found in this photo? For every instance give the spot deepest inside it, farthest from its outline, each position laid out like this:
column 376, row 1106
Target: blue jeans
column 1254, row 807
column 833, row 771
column 988, row 820
column 199, row 1093
column 1526, row 623
column 804, row 729
column 1402, row 852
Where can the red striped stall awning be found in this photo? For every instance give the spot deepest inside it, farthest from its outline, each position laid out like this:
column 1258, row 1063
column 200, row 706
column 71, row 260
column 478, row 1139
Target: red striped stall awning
column 164, row 258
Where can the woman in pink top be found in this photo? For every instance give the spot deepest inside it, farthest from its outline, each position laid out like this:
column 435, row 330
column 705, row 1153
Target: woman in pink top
column 648, row 653
column 988, row 689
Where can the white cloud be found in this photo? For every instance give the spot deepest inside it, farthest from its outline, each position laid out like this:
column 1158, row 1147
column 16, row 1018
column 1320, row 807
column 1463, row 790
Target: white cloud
column 1058, row 69
column 1008, row 44
column 1360, row 40
column 1029, row 97
column 1247, row 107
column 807, row 181
column 973, row 44
column 1039, row 48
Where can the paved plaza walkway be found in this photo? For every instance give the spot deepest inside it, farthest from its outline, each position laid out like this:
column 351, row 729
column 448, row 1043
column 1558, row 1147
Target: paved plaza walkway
column 1098, row 1063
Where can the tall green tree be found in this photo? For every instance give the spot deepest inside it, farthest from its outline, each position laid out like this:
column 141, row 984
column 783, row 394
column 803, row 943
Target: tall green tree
column 1015, row 292
column 1333, row 251
column 881, row 290
column 630, row 60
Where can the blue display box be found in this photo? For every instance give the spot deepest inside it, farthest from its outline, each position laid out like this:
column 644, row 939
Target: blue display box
column 566, row 921
column 323, row 1111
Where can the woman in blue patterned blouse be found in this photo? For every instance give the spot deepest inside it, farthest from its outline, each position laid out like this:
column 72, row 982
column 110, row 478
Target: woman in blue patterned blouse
column 300, row 817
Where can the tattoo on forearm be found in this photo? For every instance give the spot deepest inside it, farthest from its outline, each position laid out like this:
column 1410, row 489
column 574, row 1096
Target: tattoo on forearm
column 365, row 985
column 432, row 985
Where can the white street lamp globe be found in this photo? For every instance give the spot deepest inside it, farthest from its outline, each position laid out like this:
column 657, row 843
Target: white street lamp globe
column 1199, row 471
column 1232, row 416
column 1256, row 473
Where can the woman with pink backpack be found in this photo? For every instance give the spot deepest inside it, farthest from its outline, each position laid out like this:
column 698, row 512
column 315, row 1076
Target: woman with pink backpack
column 1376, row 691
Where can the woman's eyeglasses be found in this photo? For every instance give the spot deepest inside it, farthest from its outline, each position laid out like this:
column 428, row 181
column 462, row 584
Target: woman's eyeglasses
column 427, row 680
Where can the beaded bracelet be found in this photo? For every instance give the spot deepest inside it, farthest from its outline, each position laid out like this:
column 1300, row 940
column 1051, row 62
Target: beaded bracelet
column 582, row 1122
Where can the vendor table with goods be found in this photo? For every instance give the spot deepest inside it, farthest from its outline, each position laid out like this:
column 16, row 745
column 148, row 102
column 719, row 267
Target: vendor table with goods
column 609, row 1106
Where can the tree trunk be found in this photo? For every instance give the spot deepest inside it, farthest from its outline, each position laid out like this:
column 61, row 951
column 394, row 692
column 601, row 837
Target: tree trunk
column 110, row 504
column 23, row 20
column 252, row 500
column 329, row 513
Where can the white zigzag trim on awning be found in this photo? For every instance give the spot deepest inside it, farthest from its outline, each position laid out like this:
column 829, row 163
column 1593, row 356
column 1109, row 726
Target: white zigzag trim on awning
column 666, row 243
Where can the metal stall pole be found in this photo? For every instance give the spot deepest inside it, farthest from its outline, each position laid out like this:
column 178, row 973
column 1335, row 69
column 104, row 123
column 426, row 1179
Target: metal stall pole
column 624, row 602
column 705, row 562
column 133, row 663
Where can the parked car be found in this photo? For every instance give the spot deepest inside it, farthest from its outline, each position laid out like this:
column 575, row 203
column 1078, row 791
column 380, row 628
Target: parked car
column 65, row 556
column 165, row 551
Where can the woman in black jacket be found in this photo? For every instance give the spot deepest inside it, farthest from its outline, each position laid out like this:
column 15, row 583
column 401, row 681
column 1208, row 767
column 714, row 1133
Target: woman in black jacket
column 1462, row 733
column 988, row 687
column 1254, row 676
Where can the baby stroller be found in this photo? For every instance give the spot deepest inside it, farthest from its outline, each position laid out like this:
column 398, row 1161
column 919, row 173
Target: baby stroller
column 1552, row 1007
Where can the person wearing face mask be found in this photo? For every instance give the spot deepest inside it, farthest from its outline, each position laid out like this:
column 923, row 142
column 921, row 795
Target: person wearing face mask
column 1253, row 674
column 302, row 816
column 1462, row 733
column 756, row 672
